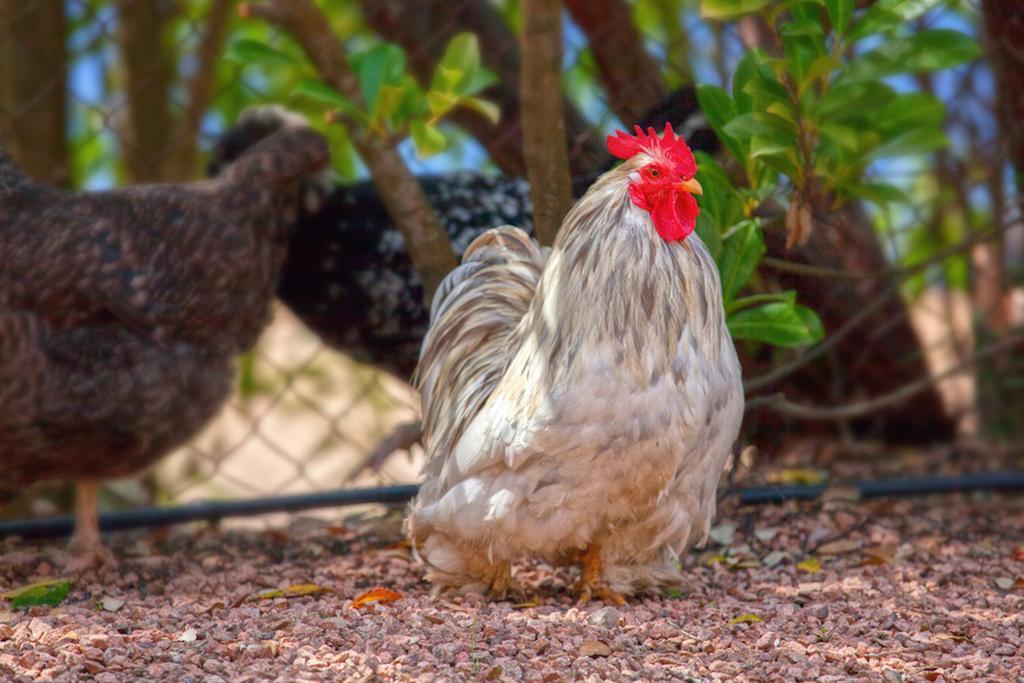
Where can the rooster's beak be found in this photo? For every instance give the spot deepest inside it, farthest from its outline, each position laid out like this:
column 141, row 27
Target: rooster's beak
column 691, row 186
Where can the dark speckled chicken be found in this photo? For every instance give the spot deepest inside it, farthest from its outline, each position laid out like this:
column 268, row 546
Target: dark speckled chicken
column 121, row 311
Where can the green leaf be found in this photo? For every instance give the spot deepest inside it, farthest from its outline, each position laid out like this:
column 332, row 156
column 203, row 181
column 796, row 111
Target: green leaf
column 888, row 14
column 749, row 66
column 765, row 89
column 741, row 253
column 907, row 111
column 719, row 109
column 768, row 126
column 912, row 142
column 413, row 102
column 779, row 323
column 761, row 146
column 446, row 80
column 822, row 65
column 801, row 27
column 477, row 81
column 924, row 51
column 51, row 592
column 839, row 13
column 729, row 9
column 841, row 135
column 488, row 109
column 440, row 103
column 428, row 139
column 318, row 90
column 462, row 53
column 789, row 296
column 719, row 198
column 811, row 321
column 389, row 100
column 879, row 193
column 707, row 230
column 851, row 100
column 249, row 51
column 381, row 65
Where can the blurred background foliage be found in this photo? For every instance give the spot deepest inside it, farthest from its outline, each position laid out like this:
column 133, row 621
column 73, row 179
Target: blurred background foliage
column 837, row 117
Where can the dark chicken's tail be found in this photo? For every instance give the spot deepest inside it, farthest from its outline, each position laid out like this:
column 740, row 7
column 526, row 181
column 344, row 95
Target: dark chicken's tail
column 11, row 177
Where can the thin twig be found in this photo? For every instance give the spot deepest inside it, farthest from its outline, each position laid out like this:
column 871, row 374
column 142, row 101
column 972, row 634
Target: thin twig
column 779, row 404
column 897, row 271
column 547, row 160
column 402, row 438
column 429, row 247
column 815, row 352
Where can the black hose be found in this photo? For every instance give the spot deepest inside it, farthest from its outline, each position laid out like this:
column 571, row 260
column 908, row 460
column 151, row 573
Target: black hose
column 44, row 527
column 142, row 518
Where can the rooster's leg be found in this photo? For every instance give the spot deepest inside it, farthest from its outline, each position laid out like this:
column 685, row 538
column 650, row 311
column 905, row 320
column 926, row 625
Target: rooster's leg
column 86, row 542
column 591, row 583
column 502, row 584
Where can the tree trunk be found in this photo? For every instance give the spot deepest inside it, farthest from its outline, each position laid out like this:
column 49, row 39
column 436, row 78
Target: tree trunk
column 547, row 162
column 33, row 87
column 149, row 67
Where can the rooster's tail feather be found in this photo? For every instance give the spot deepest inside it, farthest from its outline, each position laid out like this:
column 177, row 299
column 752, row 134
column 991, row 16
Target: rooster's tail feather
column 474, row 318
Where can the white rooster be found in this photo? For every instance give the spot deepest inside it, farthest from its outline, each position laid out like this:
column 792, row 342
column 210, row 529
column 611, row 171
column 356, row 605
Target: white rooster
column 583, row 402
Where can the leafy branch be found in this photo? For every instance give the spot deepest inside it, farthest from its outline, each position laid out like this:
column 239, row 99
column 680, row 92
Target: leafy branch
column 429, row 248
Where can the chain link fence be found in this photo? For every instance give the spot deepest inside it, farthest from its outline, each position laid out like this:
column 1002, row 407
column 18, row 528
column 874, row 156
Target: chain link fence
column 95, row 94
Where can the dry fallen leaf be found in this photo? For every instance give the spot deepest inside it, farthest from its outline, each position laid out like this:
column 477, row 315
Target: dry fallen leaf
column 594, row 648
column 811, row 565
column 802, row 476
column 1018, row 553
column 840, row 547
column 766, row 534
column 188, row 636
column 723, row 533
column 748, row 618
column 878, row 554
column 1007, row 584
column 494, row 674
column 376, row 596
column 296, row 591
column 110, row 604
column 774, row 557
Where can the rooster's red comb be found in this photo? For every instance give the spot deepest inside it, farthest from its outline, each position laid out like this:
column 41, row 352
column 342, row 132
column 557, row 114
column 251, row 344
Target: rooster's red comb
column 669, row 146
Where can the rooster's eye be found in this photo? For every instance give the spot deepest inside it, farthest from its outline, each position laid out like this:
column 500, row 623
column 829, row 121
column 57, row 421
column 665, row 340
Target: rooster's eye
column 654, row 173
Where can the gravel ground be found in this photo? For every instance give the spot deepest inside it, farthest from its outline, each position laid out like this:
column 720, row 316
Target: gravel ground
column 930, row 589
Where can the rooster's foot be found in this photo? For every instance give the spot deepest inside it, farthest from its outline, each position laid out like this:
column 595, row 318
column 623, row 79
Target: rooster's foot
column 502, row 585
column 591, row 584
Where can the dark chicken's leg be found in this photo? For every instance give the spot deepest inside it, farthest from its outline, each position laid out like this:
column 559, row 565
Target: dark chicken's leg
column 591, row 583
column 86, row 541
